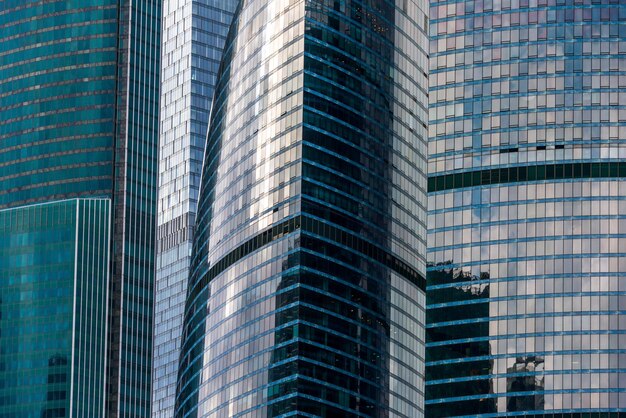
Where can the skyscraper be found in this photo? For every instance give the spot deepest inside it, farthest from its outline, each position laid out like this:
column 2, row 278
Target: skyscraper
column 526, row 281
column 78, row 160
column 194, row 33
column 306, row 291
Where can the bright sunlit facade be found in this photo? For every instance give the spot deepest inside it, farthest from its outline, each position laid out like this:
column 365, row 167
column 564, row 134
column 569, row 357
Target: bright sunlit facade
column 527, row 208
column 193, row 39
column 306, row 291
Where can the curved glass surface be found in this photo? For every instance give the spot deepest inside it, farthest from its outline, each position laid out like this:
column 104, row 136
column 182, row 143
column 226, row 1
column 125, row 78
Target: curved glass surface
column 189, row 71
column 79, row 119
column 526, row 219
column 306, row 292
column 58, row 66
column 53, row 306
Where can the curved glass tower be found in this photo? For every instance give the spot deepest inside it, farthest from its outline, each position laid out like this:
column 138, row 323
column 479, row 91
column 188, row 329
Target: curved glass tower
column 306, row 291
column 78, row 146
column 527, row 211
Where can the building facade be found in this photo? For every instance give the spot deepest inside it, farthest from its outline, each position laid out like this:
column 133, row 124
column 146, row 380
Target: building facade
column 78, row 162
column 527, row 212
column 193, row 39
column 306, row 291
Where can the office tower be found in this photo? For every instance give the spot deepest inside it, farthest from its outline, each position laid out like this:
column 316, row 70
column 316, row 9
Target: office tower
column 306, row 286
column 526, row 276
column 78, row 162
column 193, row 39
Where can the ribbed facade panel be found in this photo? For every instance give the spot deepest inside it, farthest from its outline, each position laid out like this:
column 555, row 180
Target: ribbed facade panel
column 135, row 210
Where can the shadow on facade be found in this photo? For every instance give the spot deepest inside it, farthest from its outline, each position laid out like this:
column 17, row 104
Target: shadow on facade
column 525, row 379
column 57, row 393
column 476, row 345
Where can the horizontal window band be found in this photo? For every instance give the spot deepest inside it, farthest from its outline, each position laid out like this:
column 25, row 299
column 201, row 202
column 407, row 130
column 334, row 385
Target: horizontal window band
column 320, row 228
column 526, row 173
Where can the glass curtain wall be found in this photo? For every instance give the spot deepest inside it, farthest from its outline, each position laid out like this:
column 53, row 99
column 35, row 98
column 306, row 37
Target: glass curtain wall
column 306, row 293
column 527, row 208
column 79, row 85
column 193, row 40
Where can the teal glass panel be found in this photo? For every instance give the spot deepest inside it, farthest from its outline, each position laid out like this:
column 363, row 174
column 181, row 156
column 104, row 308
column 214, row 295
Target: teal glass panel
column 58, row 64
column 526, row 211
column 53, row 286
column 93, row 260
column 136, row 168
column 306, row 291
column 79, row 83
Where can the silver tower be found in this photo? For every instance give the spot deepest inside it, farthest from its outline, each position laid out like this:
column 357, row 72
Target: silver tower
column 193, row 36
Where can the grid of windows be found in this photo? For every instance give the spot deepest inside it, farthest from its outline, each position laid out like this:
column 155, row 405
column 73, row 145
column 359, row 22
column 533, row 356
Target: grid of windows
column 526, row 213
column 53, row 289
column 78, row 119
column 131, row 304
column 193, row 39
column 57, row 97
column 306, row 290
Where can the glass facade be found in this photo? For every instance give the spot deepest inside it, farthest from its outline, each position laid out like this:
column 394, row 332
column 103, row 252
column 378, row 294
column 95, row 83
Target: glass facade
column 53, row 306
column 526, row 309
column 193, row 39
column 306, row 291
column 135, row 206
column 57, row 99
column 79, row 121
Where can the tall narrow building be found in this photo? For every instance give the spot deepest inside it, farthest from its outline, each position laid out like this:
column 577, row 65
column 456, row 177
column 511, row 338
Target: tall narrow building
column 79, row 84
column 306, row 291
column 527, row 212
column 193, row 39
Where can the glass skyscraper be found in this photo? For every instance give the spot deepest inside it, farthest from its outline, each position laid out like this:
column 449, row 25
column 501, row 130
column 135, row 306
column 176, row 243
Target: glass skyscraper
column 78, row 162
column 193, row 39
column 527, row 208
column 306, row 291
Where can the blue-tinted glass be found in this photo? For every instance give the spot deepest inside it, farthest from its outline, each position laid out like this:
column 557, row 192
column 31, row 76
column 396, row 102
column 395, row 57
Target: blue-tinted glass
column 79, row 85
column 306, row 291
column 526, row 209
column 189, row 75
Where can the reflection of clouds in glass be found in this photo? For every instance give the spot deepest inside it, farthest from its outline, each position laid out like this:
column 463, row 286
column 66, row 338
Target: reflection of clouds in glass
column 553, row 252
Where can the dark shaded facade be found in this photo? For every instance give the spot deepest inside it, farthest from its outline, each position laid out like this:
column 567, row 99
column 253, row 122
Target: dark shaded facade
column 526, row 283
column 306, row 287
column 79, row 85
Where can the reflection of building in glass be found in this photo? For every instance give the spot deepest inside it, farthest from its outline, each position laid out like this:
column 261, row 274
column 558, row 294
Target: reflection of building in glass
column 473, row 341
column 78, row 170
column 193, row 39
column 526, row 196
column 306, row 287
column 526, row 375
column 53, row 286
